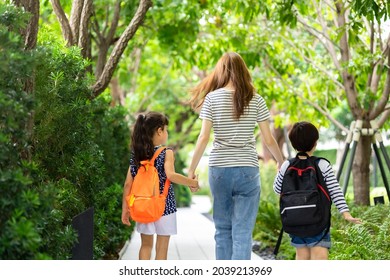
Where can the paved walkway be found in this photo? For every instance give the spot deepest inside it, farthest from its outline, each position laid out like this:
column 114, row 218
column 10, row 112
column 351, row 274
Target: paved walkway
column 195, row 237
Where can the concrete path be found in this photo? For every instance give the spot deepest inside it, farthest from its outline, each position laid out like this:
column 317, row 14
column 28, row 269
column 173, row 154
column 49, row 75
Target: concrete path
column 195, row 237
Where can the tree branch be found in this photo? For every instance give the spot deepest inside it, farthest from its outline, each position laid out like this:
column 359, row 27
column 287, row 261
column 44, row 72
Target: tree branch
column 114, row 23
column 136, row 58
column 120, row 47
column 84, row 22
column 344, row 47
column 348, row 79
column 313, row 104
column 330, row 5
column 75, row 15
column 310, row 61
column 386, row 51
column 385, row 116
column 380, row 37
column 31, row 34
column 327, row 43
column 374, row 83
column 372, row 45
column 64, row 23
column 95, row 26
column 385, row 96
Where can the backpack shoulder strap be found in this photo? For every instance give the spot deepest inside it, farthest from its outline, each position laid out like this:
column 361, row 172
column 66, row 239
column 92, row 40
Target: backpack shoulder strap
column 167, row 182
column 157, row 153
column 317, row 159
column 166, row 187
column 319, row 172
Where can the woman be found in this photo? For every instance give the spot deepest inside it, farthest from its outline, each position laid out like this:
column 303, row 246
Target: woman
column 230, row 106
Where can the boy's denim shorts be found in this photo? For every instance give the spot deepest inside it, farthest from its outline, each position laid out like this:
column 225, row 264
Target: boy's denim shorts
column 300, row 242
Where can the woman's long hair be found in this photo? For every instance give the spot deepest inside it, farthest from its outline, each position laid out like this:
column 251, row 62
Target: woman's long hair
column 142, row 137
column 230, row 68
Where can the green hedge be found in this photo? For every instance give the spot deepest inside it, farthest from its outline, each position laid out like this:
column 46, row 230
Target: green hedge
column 74, row 156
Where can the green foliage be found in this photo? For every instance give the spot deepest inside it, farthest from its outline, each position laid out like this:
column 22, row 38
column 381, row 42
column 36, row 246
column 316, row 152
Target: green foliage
column 268, row 224
column 81, row 145
column 368, row 241
column 110, row 233
column 176, row 23
column 74, row 156
column 372, row 9
column 22, row 204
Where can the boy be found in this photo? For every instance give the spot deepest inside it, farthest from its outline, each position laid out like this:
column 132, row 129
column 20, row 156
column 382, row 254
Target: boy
column 303, row 137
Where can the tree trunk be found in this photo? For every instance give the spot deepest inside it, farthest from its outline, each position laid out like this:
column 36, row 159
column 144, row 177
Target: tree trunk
column 104, row 79
column 102, row 57
column 84, row 36
column 64, row 23
column 116, row 93
column 75, row 16
column 30, row 34
column 31, row 31
column 361, row 171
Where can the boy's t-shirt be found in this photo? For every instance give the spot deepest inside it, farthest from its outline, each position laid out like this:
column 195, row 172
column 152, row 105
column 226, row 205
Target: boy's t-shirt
column 170, row 205
column 330, row 179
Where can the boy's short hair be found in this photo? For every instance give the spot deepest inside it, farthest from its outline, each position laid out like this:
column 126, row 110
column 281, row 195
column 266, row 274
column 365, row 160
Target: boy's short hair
column 303, row 136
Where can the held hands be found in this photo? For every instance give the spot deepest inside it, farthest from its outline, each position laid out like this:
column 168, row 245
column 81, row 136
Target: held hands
column 195, row 187
column 348, row 217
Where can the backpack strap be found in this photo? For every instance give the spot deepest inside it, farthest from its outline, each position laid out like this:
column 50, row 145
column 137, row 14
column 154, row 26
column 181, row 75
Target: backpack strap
column 156, row 154
column 147, row 162
column 320, row 179
column 277, row 246
column 167, row 182
column 166, row 187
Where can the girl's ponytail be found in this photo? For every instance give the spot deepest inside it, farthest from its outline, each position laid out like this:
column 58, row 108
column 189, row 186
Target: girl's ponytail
column 143, row 132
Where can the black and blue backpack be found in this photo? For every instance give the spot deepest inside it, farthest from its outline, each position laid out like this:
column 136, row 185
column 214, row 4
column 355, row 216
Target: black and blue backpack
column 305, row 204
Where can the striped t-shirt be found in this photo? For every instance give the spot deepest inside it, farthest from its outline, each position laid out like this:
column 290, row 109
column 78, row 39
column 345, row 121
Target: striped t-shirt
column 336, row 195
column 234, row 141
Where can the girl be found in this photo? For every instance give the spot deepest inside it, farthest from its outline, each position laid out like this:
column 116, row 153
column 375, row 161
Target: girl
column 150, row 132
column 229, row 104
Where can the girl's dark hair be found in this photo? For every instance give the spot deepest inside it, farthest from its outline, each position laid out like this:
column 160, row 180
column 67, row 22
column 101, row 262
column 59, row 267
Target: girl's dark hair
column 303, row 136
column 142, row 137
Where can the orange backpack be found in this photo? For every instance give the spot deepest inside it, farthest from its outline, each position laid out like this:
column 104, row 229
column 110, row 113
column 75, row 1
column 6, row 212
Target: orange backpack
column 145, row 202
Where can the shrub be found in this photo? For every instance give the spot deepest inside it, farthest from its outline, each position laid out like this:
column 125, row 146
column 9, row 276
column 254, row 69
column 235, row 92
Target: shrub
column 23, row 204
column 74, row 156
column 82, row 145
column 367, row 241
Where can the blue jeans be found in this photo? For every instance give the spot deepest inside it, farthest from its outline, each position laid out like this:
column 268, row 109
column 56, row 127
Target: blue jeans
column 236, row 195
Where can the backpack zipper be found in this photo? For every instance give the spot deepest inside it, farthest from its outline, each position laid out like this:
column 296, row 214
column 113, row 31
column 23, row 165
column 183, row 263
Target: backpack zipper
column 298, row 207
